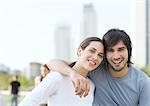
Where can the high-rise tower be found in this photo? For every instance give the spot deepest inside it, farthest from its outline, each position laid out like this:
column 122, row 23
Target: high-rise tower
column 62, row 42
column 147, row 32
column 89, row 22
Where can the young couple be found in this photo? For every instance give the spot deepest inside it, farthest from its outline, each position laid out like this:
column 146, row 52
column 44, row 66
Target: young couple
column 116, row 82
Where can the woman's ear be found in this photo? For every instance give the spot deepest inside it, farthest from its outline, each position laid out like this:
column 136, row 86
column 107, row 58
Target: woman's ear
column 79, row 51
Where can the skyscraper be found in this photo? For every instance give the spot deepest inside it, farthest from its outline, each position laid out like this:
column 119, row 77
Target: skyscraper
column 89, row 23
column 147, row 32
column 34, row 69
column 62, row 42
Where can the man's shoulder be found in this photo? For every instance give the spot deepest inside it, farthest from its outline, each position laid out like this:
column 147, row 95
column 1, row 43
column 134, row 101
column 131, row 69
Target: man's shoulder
column 16, row 81
column 138, row 74
column 137, row 71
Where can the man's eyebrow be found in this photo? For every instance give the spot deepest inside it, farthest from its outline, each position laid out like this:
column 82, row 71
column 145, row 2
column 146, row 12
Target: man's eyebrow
column 123, row 47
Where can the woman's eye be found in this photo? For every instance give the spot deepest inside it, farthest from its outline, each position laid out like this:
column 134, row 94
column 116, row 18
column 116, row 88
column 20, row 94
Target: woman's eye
column 100, row 55
column 91, row 50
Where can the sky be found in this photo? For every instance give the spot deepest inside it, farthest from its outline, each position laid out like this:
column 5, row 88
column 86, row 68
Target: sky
column 27, row 26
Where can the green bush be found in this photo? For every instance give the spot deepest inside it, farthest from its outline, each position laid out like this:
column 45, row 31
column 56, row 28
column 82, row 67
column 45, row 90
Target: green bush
column 6, row 78
column 146, row 69
column 25, row 83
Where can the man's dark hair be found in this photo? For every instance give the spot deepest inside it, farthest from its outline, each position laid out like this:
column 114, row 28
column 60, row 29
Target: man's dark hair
column 113, row 36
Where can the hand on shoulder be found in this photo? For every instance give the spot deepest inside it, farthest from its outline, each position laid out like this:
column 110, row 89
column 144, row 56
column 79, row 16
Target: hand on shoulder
column 81, row 84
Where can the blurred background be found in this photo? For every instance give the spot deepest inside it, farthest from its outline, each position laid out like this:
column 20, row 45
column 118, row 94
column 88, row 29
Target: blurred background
column 32, row 32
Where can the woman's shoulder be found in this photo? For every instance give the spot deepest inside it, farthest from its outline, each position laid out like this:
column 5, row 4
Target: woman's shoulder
column 37, row 78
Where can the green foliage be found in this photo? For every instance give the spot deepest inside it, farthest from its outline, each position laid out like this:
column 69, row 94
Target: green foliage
column 25, row 83
column 4, row 80
column 146, row 69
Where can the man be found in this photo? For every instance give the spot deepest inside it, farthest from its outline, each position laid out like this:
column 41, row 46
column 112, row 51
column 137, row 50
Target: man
column 117, row 82
column 14, row 89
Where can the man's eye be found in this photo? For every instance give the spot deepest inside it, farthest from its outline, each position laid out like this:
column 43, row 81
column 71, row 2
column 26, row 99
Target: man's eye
column 121, row 49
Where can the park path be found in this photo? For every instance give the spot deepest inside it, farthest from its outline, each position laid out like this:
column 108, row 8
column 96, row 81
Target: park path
column 5, row 97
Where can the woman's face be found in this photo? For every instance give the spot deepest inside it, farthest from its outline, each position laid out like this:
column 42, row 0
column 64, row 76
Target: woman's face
column 44, row 71
column 92, row 56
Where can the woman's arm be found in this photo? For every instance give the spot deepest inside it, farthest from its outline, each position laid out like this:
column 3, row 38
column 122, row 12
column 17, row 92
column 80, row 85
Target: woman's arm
column 47, row 87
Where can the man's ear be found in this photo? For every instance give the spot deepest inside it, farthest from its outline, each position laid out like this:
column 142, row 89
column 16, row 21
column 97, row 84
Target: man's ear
column 79, row 51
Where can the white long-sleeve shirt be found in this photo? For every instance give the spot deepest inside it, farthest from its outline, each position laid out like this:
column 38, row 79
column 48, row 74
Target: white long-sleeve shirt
column 37, row 82
column 60, row 92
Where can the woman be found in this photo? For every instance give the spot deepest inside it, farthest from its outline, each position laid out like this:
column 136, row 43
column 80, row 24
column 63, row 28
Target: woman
column 59, row 88
column 44, row 71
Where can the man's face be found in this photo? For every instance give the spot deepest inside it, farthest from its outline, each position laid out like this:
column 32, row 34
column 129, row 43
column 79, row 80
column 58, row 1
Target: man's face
column 117, row 57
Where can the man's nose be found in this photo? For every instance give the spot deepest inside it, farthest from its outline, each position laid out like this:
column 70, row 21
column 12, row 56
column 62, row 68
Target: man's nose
column 116, row 55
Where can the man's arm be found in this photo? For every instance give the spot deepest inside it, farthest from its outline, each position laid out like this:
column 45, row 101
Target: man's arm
column 60, row 66
column 80, row 83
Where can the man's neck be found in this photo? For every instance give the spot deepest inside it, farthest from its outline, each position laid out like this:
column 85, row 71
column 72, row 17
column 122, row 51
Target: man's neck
column 119, row 74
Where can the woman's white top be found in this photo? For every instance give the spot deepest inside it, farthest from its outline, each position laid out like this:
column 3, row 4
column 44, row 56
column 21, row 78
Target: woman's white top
column 37, row 82
column 59, row 91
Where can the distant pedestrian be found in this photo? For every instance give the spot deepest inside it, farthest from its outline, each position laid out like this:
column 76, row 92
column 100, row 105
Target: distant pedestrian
column 14, row 90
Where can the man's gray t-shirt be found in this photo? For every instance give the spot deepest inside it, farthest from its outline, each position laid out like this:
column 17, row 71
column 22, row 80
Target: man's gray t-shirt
column 131, row 90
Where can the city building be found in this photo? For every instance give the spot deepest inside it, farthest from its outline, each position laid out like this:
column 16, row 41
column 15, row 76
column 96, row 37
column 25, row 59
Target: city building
column 34, row 69
column 147, row 3
column 89, row 23
column 62, row 42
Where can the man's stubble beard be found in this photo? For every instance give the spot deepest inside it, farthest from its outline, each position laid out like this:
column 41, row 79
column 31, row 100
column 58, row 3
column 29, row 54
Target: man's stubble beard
column 116, row 69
